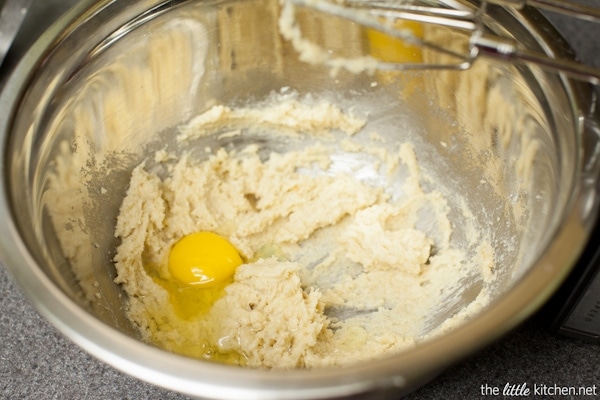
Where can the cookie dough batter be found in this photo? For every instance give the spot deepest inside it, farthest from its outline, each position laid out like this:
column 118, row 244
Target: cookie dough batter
column 338, row 267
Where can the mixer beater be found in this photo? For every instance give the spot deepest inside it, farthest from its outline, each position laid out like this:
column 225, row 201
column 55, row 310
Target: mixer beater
column 459, row 16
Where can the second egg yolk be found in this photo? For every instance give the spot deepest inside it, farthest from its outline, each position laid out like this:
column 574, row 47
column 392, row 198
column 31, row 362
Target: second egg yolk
column 203, row 259
column 390, row 49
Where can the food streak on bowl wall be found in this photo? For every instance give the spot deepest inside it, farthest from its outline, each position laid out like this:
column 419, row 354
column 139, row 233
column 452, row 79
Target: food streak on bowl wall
column 103, row 127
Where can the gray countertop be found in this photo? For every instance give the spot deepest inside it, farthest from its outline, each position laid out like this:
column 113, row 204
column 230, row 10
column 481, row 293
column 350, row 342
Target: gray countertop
column 37, row 362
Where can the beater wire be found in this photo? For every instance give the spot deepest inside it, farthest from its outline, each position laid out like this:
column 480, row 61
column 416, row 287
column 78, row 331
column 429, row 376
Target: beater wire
column 382, row 15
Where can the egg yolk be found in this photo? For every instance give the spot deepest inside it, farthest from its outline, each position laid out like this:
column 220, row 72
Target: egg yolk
column 203, row 259
column 394, row 50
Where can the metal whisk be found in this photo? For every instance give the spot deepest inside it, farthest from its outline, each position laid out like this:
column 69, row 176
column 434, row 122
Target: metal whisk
column 381, row 15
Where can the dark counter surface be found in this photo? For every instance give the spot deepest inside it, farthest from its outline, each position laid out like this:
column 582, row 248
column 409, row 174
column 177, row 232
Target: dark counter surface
column 37, row 362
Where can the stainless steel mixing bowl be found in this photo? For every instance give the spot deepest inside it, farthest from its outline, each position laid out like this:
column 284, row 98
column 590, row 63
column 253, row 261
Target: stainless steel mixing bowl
column 112, row 80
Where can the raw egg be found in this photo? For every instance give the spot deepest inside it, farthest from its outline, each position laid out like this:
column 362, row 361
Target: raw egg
column 203, row 259
column 390, row 49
